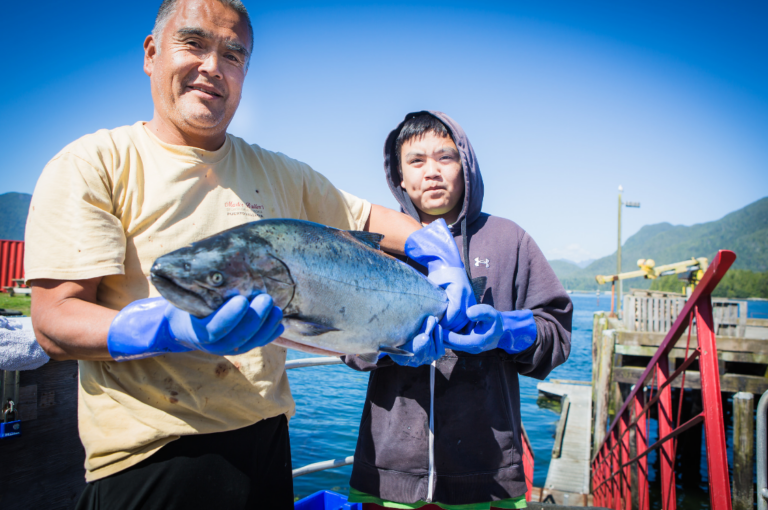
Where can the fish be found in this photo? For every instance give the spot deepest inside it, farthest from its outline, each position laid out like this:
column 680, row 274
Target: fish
column 339, row 293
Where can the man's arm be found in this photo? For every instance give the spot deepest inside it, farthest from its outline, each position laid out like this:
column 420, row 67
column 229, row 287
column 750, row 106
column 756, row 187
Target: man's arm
column 67, row 321
column 538, row 289
column 393, row 225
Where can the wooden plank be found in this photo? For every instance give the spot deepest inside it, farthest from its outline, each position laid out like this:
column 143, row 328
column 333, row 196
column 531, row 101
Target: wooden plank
column 43, row 467
column 729, row 383
column 679, row 352
column 723, row 343
column 557, row 448
column 570, row 472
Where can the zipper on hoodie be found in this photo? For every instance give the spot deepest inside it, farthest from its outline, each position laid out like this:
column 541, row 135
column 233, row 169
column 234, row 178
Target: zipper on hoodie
column 431, row 482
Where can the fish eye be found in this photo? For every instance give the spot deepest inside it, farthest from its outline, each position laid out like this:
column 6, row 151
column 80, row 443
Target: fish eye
column 187, row 267
column 216, row 279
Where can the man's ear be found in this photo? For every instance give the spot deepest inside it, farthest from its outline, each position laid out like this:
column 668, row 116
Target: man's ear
column 150, row 52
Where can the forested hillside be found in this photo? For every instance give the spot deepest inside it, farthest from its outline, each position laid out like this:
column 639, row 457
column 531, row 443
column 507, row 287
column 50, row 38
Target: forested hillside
column 744, row 231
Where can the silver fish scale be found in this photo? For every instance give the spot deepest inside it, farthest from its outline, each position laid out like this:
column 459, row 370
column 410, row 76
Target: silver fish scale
column 369, row 298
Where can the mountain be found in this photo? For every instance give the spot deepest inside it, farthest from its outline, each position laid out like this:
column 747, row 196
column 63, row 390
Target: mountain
column 744, row 231
column 564, row 268
column 14, row 208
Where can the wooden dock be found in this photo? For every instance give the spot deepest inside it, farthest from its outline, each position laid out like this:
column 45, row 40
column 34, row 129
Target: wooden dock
column 568, row 478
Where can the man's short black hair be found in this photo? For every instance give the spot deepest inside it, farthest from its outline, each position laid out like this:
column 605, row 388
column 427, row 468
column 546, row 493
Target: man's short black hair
column 416, row 127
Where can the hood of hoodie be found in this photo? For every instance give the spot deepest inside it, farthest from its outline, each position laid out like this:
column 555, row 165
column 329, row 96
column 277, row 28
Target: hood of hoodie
column 473, row 180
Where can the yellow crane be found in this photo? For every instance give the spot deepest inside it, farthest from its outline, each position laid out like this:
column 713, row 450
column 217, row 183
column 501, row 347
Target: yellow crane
column 694, row 267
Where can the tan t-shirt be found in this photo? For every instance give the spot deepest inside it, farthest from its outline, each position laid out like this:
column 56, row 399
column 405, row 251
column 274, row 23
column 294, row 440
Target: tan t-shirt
column 112, row 202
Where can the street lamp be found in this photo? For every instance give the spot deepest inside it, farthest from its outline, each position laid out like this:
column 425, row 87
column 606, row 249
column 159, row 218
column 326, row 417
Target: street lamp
column 618, row 251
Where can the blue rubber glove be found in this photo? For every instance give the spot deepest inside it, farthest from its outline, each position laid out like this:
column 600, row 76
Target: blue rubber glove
column 153, row 326
column 426, row 347
column 433, row 247
column 512, row 331
column 519, row 331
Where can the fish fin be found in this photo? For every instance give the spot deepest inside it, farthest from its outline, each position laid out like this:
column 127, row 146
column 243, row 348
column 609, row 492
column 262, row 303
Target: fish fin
column 478, row 286
column 307, row 327
column 372, row 239
column 394, row 350
column 369, row 357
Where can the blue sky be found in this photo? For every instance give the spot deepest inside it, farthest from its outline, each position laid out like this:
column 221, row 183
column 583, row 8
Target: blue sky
column 563, row 101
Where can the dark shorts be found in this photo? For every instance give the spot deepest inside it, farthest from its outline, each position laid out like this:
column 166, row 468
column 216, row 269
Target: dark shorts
column 245, row 468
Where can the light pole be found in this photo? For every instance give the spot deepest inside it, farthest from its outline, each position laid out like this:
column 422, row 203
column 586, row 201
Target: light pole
column 618, row 250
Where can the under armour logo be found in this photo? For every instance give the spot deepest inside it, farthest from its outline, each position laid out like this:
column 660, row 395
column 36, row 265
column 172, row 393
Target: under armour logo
column 486, row 262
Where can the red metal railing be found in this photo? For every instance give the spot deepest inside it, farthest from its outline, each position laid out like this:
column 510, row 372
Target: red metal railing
column 611, row 466
column 527, row 465
column 11, row 262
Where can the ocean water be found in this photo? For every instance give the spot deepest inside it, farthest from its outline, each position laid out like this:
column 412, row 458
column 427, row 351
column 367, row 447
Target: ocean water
column 329, row 402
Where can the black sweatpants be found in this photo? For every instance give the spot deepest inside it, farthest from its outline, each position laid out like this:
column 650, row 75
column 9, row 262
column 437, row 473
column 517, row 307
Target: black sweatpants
column 248, row 468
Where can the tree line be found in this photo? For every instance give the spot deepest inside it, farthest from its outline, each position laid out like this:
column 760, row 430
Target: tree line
column 737, row 283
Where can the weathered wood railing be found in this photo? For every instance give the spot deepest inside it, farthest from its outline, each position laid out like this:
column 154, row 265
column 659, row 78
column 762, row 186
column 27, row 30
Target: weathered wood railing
column 651, row 312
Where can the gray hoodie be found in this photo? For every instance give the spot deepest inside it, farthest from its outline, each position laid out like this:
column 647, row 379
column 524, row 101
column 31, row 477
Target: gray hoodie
column 472, row 450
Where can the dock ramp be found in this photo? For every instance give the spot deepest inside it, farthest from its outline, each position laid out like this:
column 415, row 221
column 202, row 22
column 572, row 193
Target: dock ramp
column 568, row 477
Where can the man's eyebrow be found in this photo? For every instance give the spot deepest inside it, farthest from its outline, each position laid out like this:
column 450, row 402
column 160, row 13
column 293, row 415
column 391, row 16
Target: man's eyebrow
column 195, row 31
column 230, row 44
column 239, row 48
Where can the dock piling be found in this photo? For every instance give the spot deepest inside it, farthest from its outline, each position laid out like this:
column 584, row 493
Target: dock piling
column 604, row 386
column 743, row 450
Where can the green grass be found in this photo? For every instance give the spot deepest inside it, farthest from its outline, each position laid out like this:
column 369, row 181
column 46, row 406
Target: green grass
column 21, row 303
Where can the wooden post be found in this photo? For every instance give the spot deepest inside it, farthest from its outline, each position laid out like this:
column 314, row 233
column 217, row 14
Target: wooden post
column 599, row 324
column 743, row 450
column 604, row 386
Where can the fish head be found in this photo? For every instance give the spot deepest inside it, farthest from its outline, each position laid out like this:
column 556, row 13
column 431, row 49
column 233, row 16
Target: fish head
column 200, row 277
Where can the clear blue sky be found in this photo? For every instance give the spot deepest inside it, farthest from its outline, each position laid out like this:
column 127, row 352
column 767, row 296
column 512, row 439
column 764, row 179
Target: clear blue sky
column 563, row 101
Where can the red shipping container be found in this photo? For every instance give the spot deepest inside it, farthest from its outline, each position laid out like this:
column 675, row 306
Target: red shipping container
column 11, row 262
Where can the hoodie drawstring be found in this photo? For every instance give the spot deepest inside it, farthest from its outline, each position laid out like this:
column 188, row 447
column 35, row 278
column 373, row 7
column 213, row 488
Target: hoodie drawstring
column 465, row 244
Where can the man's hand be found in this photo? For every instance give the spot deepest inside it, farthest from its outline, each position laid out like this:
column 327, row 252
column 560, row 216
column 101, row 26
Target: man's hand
column 484, row 333
column 489, row 329
column 433, row 247
column 153, row 326
column 426, row 347
column 513, row 331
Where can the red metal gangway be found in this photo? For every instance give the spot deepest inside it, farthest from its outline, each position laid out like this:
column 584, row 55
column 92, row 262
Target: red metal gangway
column 611, row 486
column 11, row 262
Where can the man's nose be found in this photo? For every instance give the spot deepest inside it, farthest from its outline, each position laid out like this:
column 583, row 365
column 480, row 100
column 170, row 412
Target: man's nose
column 432, row 169
column 210, row 65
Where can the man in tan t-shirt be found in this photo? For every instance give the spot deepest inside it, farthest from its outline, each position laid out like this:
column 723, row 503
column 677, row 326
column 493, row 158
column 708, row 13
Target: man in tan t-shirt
column 174, row 411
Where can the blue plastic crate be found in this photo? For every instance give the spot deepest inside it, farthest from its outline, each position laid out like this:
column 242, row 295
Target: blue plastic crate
column 326, row 500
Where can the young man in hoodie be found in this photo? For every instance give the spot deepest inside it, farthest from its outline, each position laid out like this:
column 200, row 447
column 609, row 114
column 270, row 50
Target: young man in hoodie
column 442, row 429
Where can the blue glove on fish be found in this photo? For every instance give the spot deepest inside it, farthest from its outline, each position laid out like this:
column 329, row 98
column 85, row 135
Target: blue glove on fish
column 433, row 247
column 426, row 347
column 149, row 327
column 512, row 331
